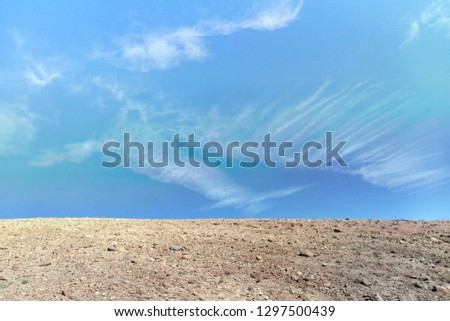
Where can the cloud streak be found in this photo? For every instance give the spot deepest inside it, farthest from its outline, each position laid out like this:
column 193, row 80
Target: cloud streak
column 158, row 51
column 41, row 75
column 74, row 153
column 17, row 129
column 435, row 16
column 383, row 147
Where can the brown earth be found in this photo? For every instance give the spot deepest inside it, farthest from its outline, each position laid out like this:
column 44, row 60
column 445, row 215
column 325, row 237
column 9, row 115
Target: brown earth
column 112, row 259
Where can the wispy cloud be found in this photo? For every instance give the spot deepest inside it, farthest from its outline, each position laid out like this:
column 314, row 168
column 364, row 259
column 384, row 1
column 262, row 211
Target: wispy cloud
column 414, row 29
column 149, row 51
column 254, row 202
column 435, row 16
column 116, row 90
column 376, row 120
column 274, row 17
column 39, row 72
column 17, row 128
column 74, row 153
column 41, row 75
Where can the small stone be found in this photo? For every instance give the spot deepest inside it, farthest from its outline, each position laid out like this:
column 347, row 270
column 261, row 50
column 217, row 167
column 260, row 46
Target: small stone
column 111, row 249
column 66, row 293
column 306, row 253
column 176, row 248
column 420, row 285
column 365, row 282
column 378, row 297
column 3, row 278
column 441, row 288
column 258, row 276
column 295, row 277
column 258, row 258
column 336, row 230
column 308, row 278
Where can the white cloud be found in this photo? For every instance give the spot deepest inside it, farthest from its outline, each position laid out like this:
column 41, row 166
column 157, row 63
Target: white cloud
column 414, row 28
column 435, row 16
column 277, row 16
column 151, row 51
column 163, row 51
column 216, row 185
column 381, row 148
column 41, row 75
column 118, row 92
column 74, row 153
column 17, row 128
column 254, row 202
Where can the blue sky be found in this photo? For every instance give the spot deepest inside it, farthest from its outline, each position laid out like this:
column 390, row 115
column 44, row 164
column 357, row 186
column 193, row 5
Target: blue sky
column 74, row 75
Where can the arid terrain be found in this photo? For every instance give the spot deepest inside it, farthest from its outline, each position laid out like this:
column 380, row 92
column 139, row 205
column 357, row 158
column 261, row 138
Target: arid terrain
column 115, row 259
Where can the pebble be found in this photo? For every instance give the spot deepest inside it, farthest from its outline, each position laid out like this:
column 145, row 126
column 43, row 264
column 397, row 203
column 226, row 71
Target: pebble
column 258, row 276
column 441, row 288
column 3, row 278
column 111, row 249
column 306, row 253
column 176, row 248
column 378, row 297
column 66, row 293
column 421, row 285
column 365, row 282
column 308, row 278
column 295, row 277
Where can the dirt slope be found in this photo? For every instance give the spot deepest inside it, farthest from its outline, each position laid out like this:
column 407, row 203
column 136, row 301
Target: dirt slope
column 105, row 259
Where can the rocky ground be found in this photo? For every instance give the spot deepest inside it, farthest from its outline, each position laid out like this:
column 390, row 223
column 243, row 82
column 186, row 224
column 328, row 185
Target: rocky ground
column 106, row 259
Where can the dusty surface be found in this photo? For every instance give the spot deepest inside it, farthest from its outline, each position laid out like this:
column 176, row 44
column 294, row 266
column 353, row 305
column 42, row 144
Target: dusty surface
column 99, row 259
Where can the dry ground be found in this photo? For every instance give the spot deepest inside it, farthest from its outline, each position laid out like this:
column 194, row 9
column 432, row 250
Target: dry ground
column 111, row 259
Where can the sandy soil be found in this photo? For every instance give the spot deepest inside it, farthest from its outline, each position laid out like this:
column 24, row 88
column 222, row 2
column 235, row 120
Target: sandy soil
column 105, row 259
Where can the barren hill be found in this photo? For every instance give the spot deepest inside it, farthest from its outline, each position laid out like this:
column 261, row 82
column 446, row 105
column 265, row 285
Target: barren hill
column 115, row 259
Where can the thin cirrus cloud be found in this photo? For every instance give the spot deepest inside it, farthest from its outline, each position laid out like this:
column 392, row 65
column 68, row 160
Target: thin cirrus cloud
column 38, row 72
column 435, row 16
column 150, row 51
column 17, row 128
column 382, row 148
column 74, row 153
column 41, row 75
